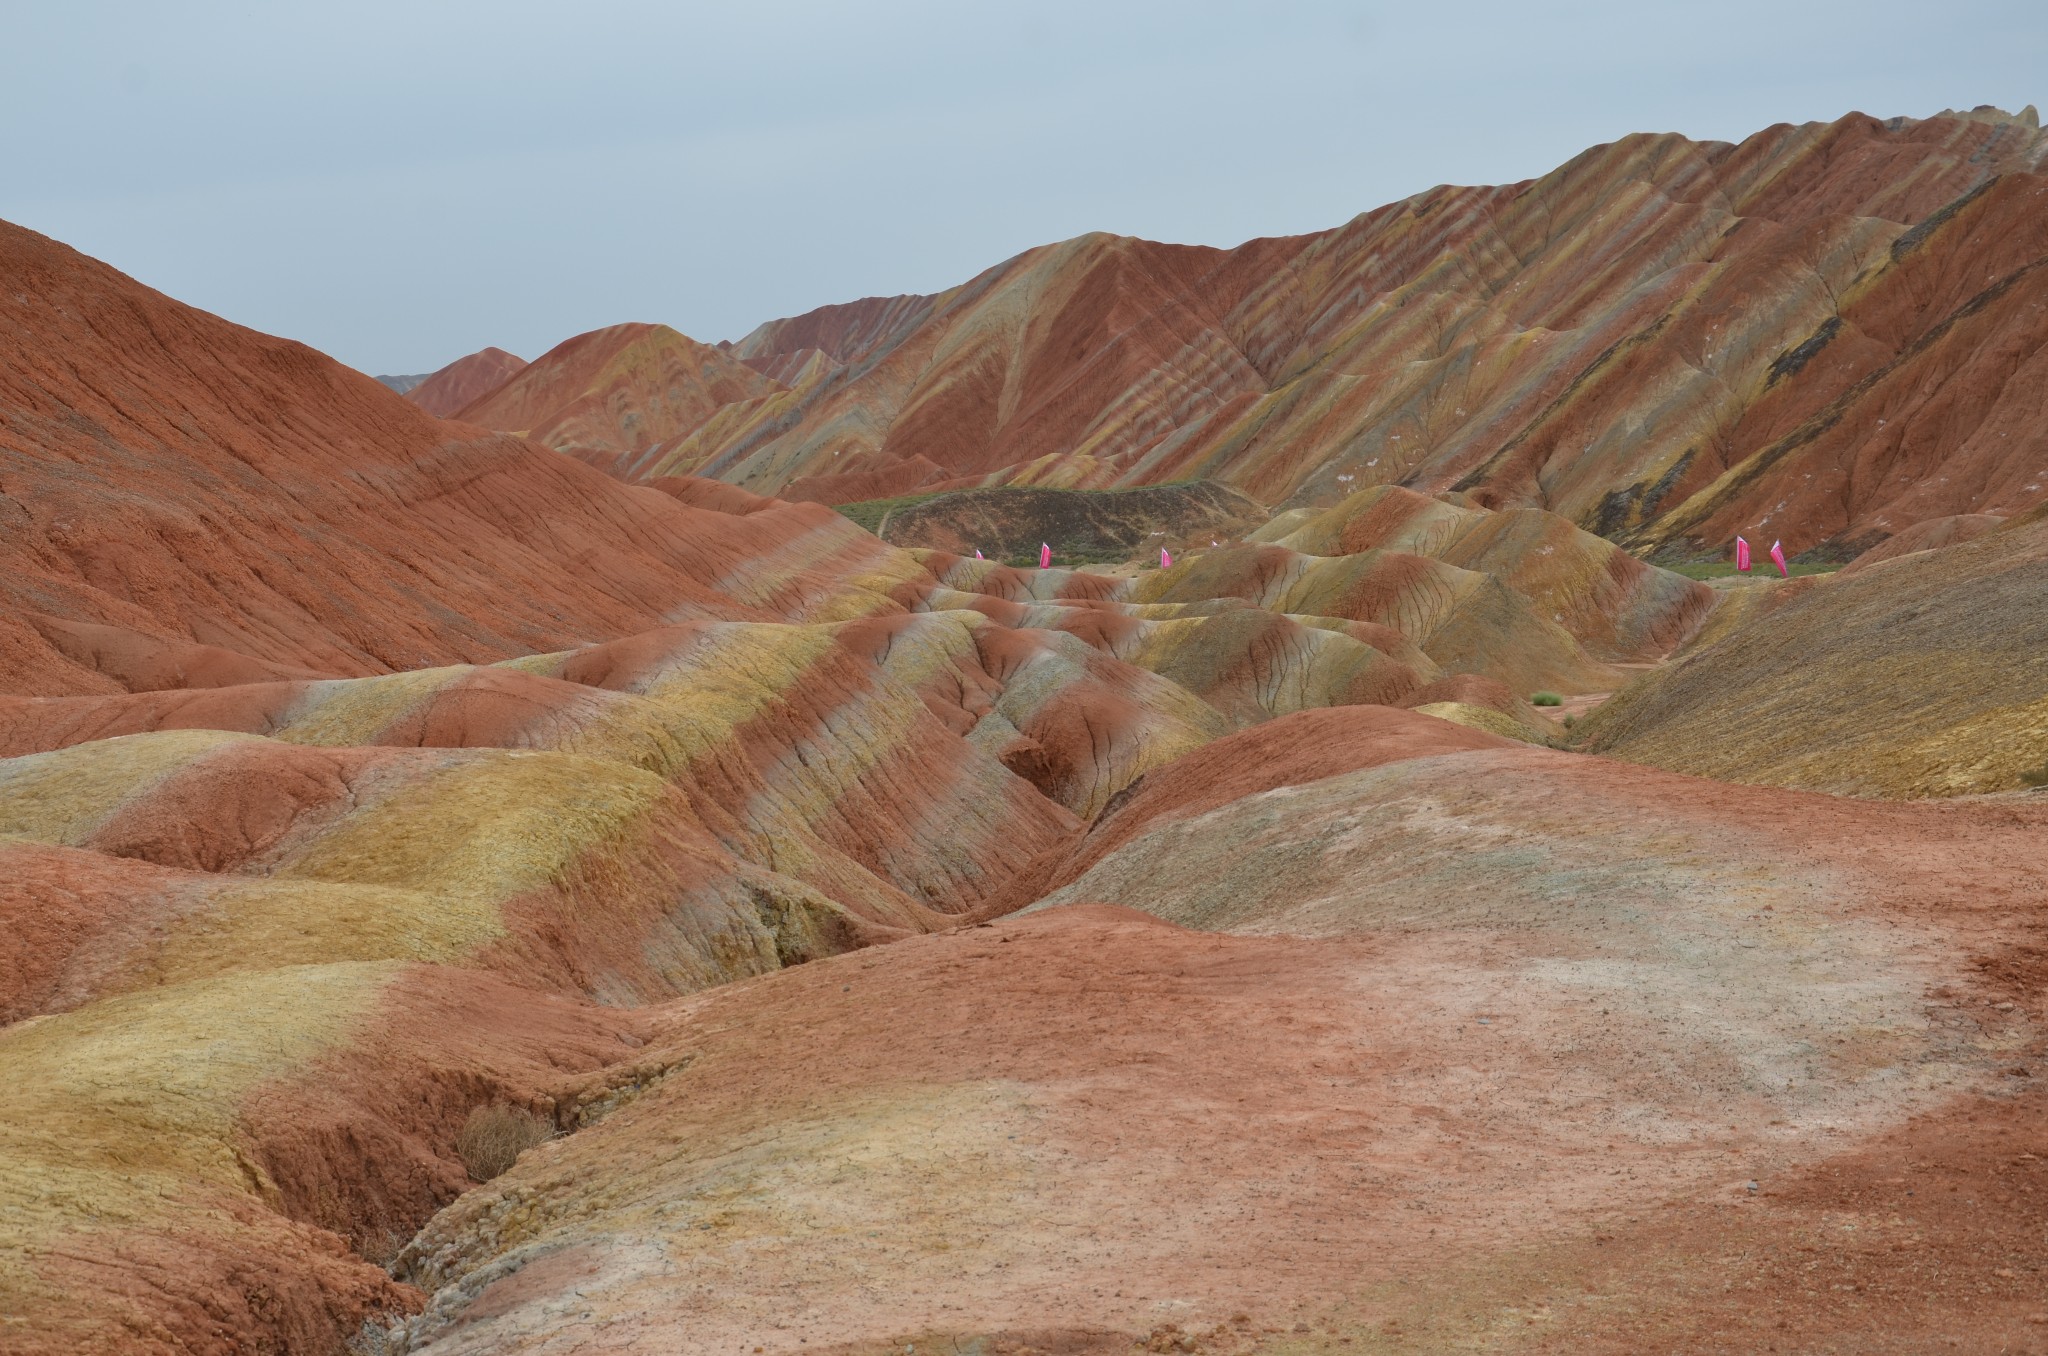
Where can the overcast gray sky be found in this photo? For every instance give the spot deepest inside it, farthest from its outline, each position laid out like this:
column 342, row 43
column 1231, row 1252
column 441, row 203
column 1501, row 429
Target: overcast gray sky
column 400, row 184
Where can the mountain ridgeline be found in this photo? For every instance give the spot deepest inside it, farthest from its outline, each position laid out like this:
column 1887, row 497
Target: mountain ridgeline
column 1824, row 334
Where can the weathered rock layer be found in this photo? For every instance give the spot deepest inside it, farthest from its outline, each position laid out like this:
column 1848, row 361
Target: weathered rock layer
column 362, row 771
column 1824, row 334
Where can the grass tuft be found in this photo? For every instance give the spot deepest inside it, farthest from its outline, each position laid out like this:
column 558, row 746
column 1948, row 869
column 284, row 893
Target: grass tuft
column 494, row 1136
column 1546, row 699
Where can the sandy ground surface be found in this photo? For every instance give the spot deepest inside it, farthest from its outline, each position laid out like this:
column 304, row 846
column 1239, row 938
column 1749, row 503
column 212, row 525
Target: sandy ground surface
column 1579, row 705
column 1666, row 1125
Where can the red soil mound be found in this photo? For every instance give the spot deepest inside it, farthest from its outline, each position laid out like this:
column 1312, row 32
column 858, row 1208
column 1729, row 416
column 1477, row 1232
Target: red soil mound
column 1612, row 603
column 1468, row 689
column 194, row 484
column 635, row 897
column 1465, row 620
column 1421, row 1137
column 1488, row 694
column 845, row 333
column 1305, row 747
column 465, row 381
column 912, row 475
column 480, row 708
column 1083, row 724
column 146, row 663
column 273, row 1273
column 617, row 391
column 715, row 495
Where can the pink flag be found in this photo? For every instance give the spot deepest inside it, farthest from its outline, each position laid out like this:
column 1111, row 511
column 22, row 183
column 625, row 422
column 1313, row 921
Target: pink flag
column 1742, row 555
column 1778, row 558
column 1165, row 558
column 1044, row 556
column 977, row 555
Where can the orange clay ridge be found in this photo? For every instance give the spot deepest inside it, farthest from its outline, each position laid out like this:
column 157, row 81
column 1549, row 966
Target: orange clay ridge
column 1415, row 920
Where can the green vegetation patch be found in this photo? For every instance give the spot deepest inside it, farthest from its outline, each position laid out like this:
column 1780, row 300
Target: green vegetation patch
column 1084, row 526
column 870, row 512
column 1723, row 569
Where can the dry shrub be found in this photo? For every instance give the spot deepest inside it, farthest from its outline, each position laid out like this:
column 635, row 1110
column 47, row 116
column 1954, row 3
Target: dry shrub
column 379, row 1247
column 495, row 1135
column 373, row 1339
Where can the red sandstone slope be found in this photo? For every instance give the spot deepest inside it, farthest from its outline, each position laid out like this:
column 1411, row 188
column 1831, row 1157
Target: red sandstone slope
column 1824, row 334
column 1093, row 348
column 844, row 333
column 185, row 501
column 1930, row 398
column 1305, row 746
column 465, row 381
column 1497, row 1050
column 1928, row 534
column 618, row 391
column 318, row 526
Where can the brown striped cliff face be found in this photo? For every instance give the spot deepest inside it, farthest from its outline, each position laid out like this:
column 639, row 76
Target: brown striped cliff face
column 844, row 333
column 616, row 390
column 1823, row 334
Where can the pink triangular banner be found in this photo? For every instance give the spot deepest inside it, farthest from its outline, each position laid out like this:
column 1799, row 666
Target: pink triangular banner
column 1165, row 558
column 1778, row 558
column 1742, row 555
column 1044, row 556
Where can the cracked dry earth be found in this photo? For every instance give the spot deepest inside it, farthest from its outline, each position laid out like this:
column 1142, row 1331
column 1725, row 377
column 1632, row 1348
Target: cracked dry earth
column 1486, row 1051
